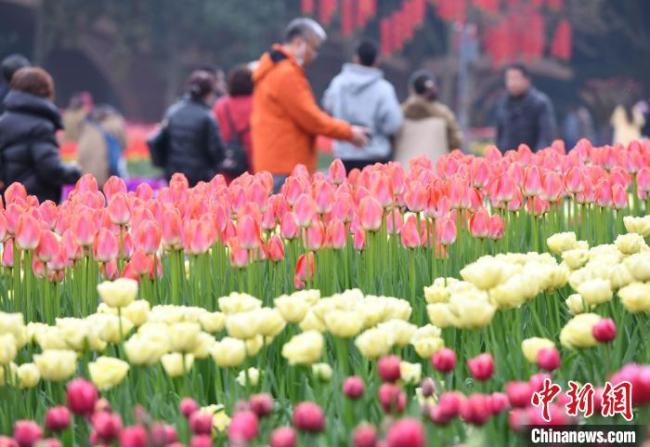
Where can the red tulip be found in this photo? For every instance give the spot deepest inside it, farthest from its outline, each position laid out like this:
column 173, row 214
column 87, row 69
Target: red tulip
column 407, row 432
column 604, row 331
column 107, row 425
column 370, row 213
column 444, row 360
column 81, row 396
column 188, row 406
column 308, row 416
column 201, row 423
column 28, row 232
column 481, row 367
column 445, row 231
column 519, row 394
column 365, row 435
column 389, row 368
column 283, row 437
column 391, row 398
column 548, row 359
column 475, row 409
column 27, row 433
column 57, row 419
column 353, row 387
column 134, row 436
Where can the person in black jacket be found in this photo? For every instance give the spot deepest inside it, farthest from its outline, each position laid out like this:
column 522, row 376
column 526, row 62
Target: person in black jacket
column 29, row 152
column 189, row 141
column 524, row 114
column 10, row 65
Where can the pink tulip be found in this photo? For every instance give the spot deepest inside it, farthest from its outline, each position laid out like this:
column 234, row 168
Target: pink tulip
column 370, row 214
column 365, row 435
column 324, row 195
column 289, row 226
column 481, row 367
column 305, row 267
column 283, row 437
column 106, row 247
column 239, row 257
column 81, row 396
column 200, row 423
column 8, row 254
column 537, row 381
column 335, row 234
column 479, row 224
column 201, row 441
column 243, row 426
column 342, row 208
column 388, row 368
column 275, row 248
column 496, row 227
column 359, row 239
column 309, row 417
column 119, row 210
column 519, row 394
column 448, row 406
column 163, row 434
column 261, row 404
column 444, row 360
column 639, row 377
column 248, row 232
column 391, row 398
column 107, row 425
column 84, row 228
column 28, row 232
column 353, row 387
column 147, row 236
column 315, row 235
column 416, row 196
column 57, row 419
column 499, row 402
column 604, row 331
column 305, row 210
column 409, row 233
column 445, row 231
column 48, row 246
column 336, row 172
column 15, row 192
column 49, row 213
column 188, row 406
column 548, row 359
column 619, row 197
column 198, row 236
column 381, row 190
column 406, row 433
column 475, row 409
column 518, row 420
column 134, row 436
column 27, row 433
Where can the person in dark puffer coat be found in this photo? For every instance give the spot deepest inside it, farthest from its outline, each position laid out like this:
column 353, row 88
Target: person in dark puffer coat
column 29, row 151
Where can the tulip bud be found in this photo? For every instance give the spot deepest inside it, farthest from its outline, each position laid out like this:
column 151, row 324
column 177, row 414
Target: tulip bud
column 308, row 416
column 444, row 360
column 519, row 394
column 475, row 409
column 391, row 398
column 353, row 387
column 428, row 387
column 163, row 434
column 243, row 427
column 548, row 359
column 106, row 425
column 389, row 368
column 134, row 436
column 283, row 437
column 261, row 404
column 604, row 331
column 201, row 423
column 81, row 396
column 481, row 367
column 201, row 441
column 407, row 432
column 57, row 419
column 27, row 433
column 448, row 406
column 365, row 435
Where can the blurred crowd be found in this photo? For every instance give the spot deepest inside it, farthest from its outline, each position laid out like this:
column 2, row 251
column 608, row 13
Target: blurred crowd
column 263, row 116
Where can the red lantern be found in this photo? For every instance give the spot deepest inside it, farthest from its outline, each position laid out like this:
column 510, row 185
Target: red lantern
column 561, row 46
column 326, row 10
column 307, row 6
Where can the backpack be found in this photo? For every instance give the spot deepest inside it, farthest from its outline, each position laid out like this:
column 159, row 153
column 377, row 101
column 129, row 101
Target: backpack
column 235, row 161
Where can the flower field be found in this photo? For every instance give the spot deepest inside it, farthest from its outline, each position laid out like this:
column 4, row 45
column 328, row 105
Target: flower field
column 399, row 307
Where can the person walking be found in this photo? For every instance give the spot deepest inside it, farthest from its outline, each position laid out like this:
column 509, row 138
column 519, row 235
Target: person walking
column 188, row 140
column 10, row 65
column 233, row 114
column 286, row 118
column 101, row 144
column 430, row 127
column 361, row 95
column 524, row 114
column 29, row 151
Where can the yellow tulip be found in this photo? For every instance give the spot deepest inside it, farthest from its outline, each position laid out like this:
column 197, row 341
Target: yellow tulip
column 229, row 352
column 630, row 243
column 176, row 364
column 304, row 349
column 577, row 332
column 137, row 312
column 110, row 328
column 118, row 293
column 49, row 337
column 322, row 371
column 142, row 350
column 270, row 322
column 427, row 341
column 250, row 376
column 636, row 297
column 374, row 343
column 439, row 315
column 620, row 276
column 106, row 372
column 28, row 375
column 575, row 258
column 292, row 308
column 485, row 273
column 397, row 309
column 410, row 373
column 184, row 337
column 343, row 323
column 470, row 311
column 595, row 291
column 561, row 242
column 575, row 304
column 254, row 345
column 374, row 311
column 238, row 302
column 243, row 325
column 639, row 266
column 532, row 346
column 7, row 349
column 639, row 225
column 204, row 345
column 402, row 331
column 212, row 322
column 56, row 365
column 312, row 322
column 13, row 323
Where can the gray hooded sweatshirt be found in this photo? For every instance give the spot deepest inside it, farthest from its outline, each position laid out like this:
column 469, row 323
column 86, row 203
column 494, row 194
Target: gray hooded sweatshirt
column 361, row 96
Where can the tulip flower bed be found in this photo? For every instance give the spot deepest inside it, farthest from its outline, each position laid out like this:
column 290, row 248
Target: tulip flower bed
column 416, row 308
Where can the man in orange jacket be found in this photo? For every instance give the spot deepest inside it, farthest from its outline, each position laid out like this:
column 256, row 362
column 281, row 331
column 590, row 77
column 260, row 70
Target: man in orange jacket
column 286, row 118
